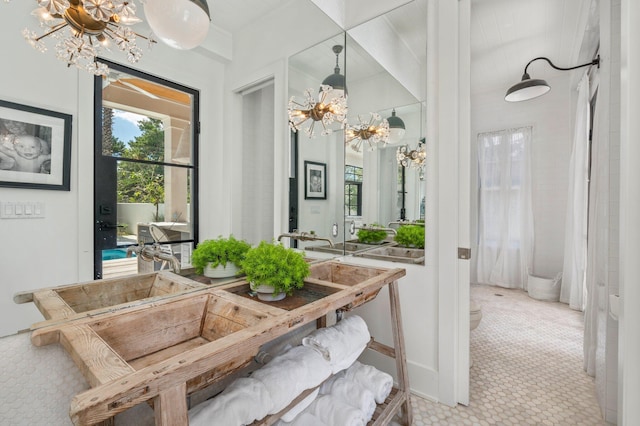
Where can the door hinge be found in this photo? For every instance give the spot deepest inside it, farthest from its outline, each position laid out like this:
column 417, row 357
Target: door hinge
column 464, row 253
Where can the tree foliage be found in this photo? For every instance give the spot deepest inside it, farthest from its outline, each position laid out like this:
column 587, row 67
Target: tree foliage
column 140, row 182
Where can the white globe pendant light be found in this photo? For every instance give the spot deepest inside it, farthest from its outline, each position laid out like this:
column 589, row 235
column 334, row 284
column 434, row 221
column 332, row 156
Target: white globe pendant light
column 182, row 24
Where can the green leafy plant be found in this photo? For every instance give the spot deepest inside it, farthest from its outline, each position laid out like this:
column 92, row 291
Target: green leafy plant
column 276, row 266
column 372, row 236
column 410, row 236
column 219, row 252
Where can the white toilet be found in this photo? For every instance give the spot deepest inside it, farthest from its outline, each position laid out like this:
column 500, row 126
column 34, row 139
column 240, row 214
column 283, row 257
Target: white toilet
column 475, row 317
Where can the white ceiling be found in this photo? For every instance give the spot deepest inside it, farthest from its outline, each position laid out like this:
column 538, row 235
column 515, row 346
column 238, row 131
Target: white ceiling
column 505, row 34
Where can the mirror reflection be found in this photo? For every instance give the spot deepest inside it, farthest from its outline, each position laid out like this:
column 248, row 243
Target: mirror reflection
column 379, row 162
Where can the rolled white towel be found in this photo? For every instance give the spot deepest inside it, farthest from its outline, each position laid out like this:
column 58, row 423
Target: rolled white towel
column 299, row 407
column 333, row 411
column 303, row 419
column 230, row 408
column 348, row 361
column 369, row 377
column 353, row 394
column 341, row 341
column 290, row 373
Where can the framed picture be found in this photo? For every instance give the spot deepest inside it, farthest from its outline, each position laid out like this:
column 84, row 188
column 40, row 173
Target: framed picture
column 315, row 181
column 35, row 147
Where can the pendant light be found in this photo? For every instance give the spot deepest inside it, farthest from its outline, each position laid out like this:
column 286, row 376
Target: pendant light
column 397, row 128
column 182, row 24
column 336, row 80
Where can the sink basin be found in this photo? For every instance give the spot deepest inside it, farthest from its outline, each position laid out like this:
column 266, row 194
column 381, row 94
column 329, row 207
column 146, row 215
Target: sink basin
column 343, row 273
column 348, row 247
column 97, row 296
column 395, row 254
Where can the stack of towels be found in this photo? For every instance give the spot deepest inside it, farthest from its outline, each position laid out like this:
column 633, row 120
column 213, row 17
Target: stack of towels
column 340, row 344
column 348, row 398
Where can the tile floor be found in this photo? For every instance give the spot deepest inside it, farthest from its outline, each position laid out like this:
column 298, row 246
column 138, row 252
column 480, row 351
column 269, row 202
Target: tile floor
column 527, row 367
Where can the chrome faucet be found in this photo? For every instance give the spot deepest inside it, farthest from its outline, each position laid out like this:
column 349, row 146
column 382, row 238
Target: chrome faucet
column 154, row 252
column 304, row 236
column 377, row 228
column 405, row 222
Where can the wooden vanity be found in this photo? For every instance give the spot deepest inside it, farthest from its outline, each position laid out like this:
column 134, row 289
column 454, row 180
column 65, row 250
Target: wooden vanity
column 159, row 348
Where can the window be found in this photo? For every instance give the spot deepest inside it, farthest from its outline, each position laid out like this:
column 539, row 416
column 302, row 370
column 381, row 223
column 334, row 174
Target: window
column 353, row 191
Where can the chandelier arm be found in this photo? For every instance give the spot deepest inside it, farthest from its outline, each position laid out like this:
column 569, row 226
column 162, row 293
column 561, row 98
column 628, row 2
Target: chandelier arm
column 53, row 30
column 596, row 61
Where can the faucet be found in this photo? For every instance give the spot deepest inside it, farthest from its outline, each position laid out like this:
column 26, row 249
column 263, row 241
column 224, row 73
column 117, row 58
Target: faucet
column 304, row 236
column 377, row 228
column 405, row 222
column 154, row 252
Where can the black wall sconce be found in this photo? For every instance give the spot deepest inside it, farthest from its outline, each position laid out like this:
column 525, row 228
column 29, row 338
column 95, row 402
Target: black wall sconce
column 530, row 88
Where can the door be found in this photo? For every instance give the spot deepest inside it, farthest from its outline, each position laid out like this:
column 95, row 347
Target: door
column 145, row 179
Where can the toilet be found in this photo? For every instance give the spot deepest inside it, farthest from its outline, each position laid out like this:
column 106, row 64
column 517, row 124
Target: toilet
column 475, row 315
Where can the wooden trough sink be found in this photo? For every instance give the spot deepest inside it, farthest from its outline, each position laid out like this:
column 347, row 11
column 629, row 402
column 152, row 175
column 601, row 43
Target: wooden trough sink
column 395, row 254
column 97, row 296
column 162, row 350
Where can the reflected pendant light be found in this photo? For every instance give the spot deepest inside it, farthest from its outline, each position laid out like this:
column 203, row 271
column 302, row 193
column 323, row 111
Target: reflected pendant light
column 182, row 24
column 336, row 80
column 397, row 128
column 529, row 88
column 373, row 131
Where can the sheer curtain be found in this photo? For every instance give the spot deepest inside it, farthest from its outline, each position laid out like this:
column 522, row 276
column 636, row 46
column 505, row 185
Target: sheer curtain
column 598, row 243
column 505, row 222
column 575, row 240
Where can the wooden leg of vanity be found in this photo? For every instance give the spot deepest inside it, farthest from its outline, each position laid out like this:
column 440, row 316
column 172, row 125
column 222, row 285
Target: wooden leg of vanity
column 400, row 354
column 170, row 406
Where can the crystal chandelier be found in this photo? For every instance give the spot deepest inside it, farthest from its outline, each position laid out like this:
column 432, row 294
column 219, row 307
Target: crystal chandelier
column 83, row 27
column 414, row 158
column 326, row 109
column 373, row 131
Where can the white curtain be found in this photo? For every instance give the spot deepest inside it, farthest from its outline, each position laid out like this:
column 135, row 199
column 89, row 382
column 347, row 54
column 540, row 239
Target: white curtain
column 575, row 241
column 598, row 243
column 505, row 222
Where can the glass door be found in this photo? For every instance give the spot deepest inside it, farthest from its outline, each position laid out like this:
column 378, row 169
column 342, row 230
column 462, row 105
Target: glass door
column 145, row 178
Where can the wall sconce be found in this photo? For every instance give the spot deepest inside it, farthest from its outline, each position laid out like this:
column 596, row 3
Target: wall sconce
column 414, row 158
column 182, row 24
column 530, row 88
column 396, row 128
column 327, row 110
column 373, row 131
column 82, row 27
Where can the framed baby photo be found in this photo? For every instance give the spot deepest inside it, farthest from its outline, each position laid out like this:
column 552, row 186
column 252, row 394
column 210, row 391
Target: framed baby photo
column 315, row 181
column 35, row 147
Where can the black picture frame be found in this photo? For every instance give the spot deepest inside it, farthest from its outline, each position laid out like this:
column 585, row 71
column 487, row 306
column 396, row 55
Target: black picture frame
column 35, row 147
column 315, row 181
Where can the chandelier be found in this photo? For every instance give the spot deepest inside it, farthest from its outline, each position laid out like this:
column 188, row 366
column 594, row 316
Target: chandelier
column 326, row 109
column 373, row 131
column 414, row 158
column 82, row 28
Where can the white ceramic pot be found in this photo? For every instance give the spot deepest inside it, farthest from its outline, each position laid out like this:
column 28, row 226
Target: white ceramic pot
column 265, row 293
column 220, row 271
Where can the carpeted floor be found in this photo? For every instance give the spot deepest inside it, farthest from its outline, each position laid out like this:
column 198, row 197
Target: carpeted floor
column 527, row 367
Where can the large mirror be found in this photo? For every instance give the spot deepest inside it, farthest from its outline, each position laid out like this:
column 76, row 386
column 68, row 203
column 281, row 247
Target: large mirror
column 384, row 63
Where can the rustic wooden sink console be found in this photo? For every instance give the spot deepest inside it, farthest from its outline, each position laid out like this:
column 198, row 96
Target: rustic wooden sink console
column 161, row 349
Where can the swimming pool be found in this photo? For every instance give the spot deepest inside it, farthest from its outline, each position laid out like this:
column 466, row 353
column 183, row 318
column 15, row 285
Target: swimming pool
column 112, row 254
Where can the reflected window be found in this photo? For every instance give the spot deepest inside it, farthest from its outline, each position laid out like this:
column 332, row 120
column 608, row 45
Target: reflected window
column 353, row 190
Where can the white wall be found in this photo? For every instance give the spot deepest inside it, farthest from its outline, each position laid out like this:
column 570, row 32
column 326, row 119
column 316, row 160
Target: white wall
column 551, row 118
column 58, row 249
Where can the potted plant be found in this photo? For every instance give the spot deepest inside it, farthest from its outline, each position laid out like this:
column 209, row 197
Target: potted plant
column 219, row 258
column 274, row 271
column 410, row 236
column 371, row 235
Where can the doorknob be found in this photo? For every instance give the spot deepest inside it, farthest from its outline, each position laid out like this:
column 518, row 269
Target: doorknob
column 102, row 225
